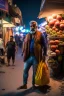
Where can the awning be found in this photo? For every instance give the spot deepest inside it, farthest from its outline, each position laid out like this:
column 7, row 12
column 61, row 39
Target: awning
column 49, row 7
column 7, row 24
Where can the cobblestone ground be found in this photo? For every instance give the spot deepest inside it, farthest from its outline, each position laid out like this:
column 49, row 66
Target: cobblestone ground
column 11, row 78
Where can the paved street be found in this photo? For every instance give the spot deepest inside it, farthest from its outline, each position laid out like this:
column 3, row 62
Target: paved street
column 11, row 79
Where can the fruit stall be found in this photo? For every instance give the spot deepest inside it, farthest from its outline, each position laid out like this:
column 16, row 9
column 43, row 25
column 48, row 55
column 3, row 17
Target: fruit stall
column 55, row 31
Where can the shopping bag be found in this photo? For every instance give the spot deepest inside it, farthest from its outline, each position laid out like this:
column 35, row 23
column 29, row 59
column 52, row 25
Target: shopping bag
column 42, row 74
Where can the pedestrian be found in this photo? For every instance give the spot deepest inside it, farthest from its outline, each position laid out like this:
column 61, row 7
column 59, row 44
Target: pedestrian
column 17, row 39
column 32, row 52
column 11, row 48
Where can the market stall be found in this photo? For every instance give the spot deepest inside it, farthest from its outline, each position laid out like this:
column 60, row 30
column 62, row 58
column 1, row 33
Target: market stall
column 53, row 12
column 55, row 31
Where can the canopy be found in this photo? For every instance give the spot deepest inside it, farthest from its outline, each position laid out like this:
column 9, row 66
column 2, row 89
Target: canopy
column 7, row 24
column 49, row 7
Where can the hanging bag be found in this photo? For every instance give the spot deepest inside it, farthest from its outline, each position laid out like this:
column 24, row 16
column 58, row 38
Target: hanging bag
column 42, row 74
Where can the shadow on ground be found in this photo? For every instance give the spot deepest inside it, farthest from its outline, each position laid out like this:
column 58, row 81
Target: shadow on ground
column 40, row 90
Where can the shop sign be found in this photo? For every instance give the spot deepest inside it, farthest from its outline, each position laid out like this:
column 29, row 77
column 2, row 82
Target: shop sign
column 4, row 5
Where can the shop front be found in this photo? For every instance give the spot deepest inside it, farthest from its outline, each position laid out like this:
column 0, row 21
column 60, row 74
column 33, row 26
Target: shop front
column 6, row 30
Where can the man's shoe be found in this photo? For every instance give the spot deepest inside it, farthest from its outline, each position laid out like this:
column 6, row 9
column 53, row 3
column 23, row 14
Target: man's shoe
column 22, row 87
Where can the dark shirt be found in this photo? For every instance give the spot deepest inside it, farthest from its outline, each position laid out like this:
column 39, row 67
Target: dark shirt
column 32, row 46
column 43, row 43
column 10, row 46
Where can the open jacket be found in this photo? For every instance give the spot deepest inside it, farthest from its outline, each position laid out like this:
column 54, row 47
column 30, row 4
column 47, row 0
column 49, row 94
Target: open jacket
column 39, row 44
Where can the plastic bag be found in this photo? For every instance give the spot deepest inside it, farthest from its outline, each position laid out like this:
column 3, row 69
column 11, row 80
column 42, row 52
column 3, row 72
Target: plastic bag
column 42, row 74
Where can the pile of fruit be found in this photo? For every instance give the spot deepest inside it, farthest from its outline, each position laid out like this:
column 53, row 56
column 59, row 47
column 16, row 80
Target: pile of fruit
column 55, row 31
column 55, row 25
column 54, row 46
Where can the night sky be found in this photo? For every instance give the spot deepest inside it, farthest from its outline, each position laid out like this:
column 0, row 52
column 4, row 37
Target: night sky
column 29, row 8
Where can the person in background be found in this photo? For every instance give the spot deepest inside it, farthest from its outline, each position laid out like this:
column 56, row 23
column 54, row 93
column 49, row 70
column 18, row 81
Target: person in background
column 17, row 39
column 2, row 50
column 33, row 45
column 2, row 45
column 11, row 49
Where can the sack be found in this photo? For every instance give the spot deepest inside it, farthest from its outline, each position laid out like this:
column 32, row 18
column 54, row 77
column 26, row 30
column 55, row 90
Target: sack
column 42, row 74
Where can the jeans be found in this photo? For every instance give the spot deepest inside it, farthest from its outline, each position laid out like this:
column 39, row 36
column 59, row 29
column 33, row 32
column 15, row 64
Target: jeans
column 30, row 62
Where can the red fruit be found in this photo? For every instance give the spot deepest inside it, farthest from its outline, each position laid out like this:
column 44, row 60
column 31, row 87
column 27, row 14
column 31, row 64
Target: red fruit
column 54, row 20
column 56, row 41
column 59, row 17
column 57, row 51
column 62, row 26
column 51, row 23
column 52, row 42
column 53, row 47
column 57, row 24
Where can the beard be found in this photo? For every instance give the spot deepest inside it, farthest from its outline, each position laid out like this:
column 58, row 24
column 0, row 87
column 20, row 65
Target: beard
column 33, row 30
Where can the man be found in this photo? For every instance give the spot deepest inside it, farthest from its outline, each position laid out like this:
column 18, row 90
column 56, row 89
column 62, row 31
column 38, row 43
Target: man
column 11, row 48
column 32, row 52
column 17, row 39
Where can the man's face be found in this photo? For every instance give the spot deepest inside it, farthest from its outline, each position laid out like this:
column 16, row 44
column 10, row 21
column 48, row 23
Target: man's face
column 11, row 38
column 33, row 28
